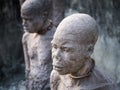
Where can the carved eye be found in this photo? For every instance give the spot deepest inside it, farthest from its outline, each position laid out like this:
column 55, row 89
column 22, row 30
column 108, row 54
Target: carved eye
column 65, row 49
column 54, row 46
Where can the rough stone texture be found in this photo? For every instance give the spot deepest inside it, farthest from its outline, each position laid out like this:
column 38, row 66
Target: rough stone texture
column 72, row 47
column 39, row 55
column 39, row 30
column 36, row 43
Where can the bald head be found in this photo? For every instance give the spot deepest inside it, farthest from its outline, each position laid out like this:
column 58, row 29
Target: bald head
column 73, row 44
column 36, row 7
column 80, row 28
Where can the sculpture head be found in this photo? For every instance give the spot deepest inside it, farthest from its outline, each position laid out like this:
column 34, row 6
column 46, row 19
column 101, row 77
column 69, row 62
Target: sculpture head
column 35, row 14
column 73, row 43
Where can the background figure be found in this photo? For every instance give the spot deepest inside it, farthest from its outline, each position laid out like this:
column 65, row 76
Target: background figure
column 39, row 30
column 36, row 43
column 72, row 47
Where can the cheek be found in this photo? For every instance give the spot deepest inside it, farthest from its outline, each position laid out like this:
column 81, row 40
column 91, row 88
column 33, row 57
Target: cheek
column 53, row 53
column 74, row 59
column 39, row 22
column 35, row 23
column 68, row 59
column 34, row 27
column 30, row 24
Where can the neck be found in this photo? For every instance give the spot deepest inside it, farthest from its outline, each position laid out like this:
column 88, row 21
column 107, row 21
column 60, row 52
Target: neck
column 85, row 71
column 47, row 27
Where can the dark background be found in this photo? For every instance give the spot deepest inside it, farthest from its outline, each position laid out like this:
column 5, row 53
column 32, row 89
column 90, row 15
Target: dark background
column 11, row 53
column 107, row 50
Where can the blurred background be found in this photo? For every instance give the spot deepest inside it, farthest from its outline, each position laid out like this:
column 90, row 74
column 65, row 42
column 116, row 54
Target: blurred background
column 106, row 52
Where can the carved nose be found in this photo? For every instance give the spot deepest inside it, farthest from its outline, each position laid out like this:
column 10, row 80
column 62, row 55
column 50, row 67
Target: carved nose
column 24, row 23
column 57, row 54
column 57, row 58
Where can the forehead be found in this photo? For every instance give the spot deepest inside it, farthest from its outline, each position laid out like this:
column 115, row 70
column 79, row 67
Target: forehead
column 25, row 16
column 30, row 12
column 26, row 13
column 30, row 16
column 65, row 42
column 69, row 37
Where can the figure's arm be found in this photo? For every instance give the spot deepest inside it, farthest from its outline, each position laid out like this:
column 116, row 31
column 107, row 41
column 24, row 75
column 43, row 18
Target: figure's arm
column 54, row 80
column 26, row 57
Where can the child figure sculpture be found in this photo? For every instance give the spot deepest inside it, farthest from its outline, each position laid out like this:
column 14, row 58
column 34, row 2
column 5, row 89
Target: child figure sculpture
column 36, row 43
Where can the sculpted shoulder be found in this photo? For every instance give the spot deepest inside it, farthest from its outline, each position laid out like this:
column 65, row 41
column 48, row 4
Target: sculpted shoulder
column 25, row 37
column 101, row 81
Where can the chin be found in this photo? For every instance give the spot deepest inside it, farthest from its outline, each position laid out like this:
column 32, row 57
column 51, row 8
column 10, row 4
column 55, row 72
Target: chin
column 30, row 31
column 62, row 72
column 42, row 32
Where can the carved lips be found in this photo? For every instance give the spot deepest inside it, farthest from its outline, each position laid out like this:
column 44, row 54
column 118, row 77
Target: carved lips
column 57, row 68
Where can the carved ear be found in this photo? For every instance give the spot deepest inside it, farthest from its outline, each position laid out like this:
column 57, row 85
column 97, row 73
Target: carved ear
column 89, row 50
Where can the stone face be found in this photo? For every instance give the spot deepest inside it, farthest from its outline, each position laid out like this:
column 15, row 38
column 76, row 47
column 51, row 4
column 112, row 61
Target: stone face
column 73, row 67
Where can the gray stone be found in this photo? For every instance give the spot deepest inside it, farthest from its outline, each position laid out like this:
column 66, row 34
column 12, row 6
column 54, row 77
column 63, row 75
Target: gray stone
column 37, row 43
column 72, row 47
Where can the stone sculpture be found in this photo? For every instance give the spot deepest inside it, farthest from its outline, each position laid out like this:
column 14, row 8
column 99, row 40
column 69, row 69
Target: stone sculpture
column 72, row 47
column 36, row 15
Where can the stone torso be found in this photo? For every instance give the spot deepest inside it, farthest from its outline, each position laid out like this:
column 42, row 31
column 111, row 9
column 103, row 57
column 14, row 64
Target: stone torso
column 39, row 54
column 39, row 51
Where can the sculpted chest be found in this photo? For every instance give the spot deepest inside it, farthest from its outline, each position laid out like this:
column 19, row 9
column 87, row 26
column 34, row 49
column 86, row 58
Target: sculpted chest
column 32, row 45
column 68, row 84
column 39, row 48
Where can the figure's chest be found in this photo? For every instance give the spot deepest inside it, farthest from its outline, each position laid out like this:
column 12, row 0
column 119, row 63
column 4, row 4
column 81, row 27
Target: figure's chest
column 38, row 48
column 32, row 45
column 62, row 86
column 66, row 84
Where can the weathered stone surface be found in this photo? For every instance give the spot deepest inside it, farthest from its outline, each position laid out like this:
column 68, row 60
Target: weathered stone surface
column 72, row 47
column 38, row 24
